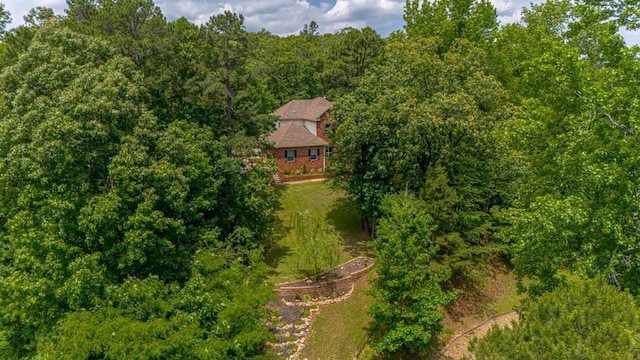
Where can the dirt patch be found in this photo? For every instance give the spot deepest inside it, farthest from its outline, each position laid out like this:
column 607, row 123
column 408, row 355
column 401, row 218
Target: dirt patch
column 458, row 347
column 478, row 299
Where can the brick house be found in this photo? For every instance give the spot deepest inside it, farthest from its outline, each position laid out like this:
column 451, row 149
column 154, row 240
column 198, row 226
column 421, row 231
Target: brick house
column 300, row 144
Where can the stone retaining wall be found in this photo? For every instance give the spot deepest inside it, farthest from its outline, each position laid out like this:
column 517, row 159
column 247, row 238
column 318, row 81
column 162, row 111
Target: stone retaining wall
column 325, row 289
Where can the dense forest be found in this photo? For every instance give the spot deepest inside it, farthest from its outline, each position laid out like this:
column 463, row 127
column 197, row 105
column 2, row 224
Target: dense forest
column 133, row 225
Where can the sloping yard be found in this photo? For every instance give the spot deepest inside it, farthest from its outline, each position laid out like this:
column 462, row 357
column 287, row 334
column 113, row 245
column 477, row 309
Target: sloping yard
column 340, row 330
column 324, row 202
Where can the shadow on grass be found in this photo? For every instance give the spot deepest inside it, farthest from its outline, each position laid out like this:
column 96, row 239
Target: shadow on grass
column 343, row 215
column 276, row 251
column 478, row 294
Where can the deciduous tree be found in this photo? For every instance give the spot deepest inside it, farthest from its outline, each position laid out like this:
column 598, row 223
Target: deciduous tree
column 448, row 20
column 407, row 292
column 5, row 18
column 417, row 112
column 582, row 320
column 577, row 207
column 317, row 243
column 110, row 217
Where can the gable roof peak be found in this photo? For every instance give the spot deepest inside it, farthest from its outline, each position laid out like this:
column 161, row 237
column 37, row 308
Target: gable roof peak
column 294, row 135
column 307, row 109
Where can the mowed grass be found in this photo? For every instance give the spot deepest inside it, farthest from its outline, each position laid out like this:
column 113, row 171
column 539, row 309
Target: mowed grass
column 319, row 199
column 341, row 330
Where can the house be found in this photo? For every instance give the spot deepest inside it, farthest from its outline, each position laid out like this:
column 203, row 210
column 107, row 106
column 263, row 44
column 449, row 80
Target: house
column 300, row 143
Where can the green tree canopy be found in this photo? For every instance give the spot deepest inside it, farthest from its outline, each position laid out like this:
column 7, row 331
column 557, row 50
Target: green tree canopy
column 418, row 112
column 407, row 291
column 448, row 20
column 5, row 18
column 583, row 320
column 576, row 133
column 104, row 213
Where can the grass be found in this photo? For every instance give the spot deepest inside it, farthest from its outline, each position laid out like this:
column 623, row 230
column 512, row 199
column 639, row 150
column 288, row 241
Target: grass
column 340, row 331
column 331, row 205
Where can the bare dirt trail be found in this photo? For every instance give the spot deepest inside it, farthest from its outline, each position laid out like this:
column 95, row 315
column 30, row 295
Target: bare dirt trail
column 457, row 348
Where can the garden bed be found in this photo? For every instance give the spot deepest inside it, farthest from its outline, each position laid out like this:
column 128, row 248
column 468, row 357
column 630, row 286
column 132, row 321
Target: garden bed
column 299, row 301
column 334, row 283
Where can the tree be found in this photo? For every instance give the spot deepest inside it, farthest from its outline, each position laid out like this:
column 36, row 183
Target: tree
column 80, row 11
column 350, row 53
column 39, row 16
column 127, row 24
column 317, row 244
column 417, row 112
column 5, row 18
column 576, row 209
column 63, row 123
column 223, row 84
column 449, row 20
column 583, row 320
column 310, row 30
column 229, row 49
column 217, row 314
column 111, row 218
column 407, row 295
column 292, row 70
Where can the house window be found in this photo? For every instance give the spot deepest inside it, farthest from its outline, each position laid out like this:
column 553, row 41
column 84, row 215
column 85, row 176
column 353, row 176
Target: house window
column 290, row 155
column 313, row 154
column 327, row 128
column 329, row 151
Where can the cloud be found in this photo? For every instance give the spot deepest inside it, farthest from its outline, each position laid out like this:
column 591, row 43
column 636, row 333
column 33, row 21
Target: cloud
column 631, row 37
column 281, row 17
column 285, row 17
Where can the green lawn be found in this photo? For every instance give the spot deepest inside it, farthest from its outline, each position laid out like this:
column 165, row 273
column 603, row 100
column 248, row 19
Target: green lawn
column 320, row 199
column 340, row 331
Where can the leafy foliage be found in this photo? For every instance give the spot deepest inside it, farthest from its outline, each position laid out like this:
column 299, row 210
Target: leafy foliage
column 577, row 206
column 5, row 18
column 104, row 211
column 448, row 20
column 128, row 212
column 318, row 243
column 217, row 314
column 419, row 119
column 407, row 293
column 585, row 320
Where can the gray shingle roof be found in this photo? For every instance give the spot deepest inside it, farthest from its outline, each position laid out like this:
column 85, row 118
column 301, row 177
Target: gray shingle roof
column 311, row 109
column 293, row 135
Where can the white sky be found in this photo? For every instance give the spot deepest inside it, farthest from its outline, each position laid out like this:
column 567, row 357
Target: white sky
column 284, row 17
